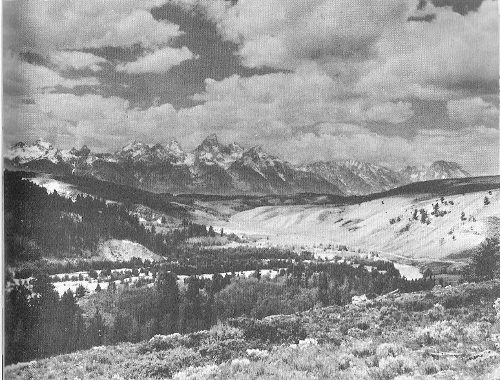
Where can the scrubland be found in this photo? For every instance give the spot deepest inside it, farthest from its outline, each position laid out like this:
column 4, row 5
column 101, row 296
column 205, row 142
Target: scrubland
column 446, row 333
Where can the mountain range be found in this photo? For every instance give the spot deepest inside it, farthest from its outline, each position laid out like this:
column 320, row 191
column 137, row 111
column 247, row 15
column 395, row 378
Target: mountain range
column 216, row 168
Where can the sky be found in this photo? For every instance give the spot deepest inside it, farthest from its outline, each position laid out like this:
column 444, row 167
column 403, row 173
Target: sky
column 393, row 82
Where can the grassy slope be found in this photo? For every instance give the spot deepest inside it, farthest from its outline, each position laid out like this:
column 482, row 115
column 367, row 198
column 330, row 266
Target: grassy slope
column 401, row 335
column 367, row 225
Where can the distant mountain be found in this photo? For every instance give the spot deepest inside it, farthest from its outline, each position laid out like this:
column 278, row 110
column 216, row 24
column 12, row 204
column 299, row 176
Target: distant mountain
column 22, row 153
column 356, row 178
column 216, row 168
column 438, row 170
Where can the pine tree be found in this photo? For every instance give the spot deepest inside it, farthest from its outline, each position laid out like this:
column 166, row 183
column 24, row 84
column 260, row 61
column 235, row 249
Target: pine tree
column 485, row 261
column 323, row 289
column 167, row 292
column 80, row 291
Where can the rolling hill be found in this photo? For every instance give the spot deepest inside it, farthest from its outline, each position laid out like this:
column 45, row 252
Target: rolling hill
column 429, row 220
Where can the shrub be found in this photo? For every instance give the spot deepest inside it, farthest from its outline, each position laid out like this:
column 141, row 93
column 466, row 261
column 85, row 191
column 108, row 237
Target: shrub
column 257, row 354
column 197, row 373
column 221, row 331
column 429, row 367
column 363, row 349
column 393, row 366
column 271, row 331
column 165, row 342
column 496, row 306
column 478, row 331
column 418, row 305
column 440, row 332
column 165, row 366
column 224, row 350
column 436, row 313
column 388, row 349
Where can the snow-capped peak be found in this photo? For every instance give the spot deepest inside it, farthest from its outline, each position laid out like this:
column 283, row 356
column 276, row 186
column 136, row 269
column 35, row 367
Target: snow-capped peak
column 43, row 144
column 210, row 140
column 175, row 148
column 211, row 152
column 22, row 153
column 134, row 146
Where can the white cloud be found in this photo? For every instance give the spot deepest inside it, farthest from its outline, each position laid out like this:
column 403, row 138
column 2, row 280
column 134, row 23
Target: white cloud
column 473, row 111
column 98, row 121
column 104, row 122
column 159, row 61
column 390, row 112
column 437, row 60
column 26, row 78
column 76, row 60
column 368, row 45
column 476, row 148
column 287, row 33
column 76, row 24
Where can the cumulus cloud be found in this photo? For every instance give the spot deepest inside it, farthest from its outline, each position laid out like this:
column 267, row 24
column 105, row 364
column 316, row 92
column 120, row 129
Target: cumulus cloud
column 109, row 122
column 390, row 112
column 100, row 122
column 349, row 64
column 436, row 60
column 76, row 60
column 285, row 33
column 476, row 148
column 23, row 78
column 473, row 111
column 369, row 43
column 159, row 61
column 76, row 24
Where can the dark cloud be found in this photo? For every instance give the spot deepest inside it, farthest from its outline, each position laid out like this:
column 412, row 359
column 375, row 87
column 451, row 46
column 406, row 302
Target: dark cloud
column 460, row 6
column 425, row 18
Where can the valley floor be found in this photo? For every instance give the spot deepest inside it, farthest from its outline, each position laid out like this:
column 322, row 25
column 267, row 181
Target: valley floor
column 447, row 333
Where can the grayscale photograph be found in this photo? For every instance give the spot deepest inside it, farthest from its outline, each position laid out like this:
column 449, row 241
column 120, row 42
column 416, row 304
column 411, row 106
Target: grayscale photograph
column 251, row 189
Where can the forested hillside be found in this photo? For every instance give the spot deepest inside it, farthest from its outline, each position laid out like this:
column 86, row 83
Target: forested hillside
column 39, row 224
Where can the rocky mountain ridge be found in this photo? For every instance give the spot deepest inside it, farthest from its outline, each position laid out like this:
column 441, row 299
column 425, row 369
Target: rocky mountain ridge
column 217, row 168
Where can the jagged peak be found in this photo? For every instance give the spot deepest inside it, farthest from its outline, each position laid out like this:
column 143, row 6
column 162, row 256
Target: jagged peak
column 132, row 145
column 255, row 152
column 83, row 151
column 209, row 141
column 256, row 149
column 19, row 144
column 258, row 153
column 43, row 143
column 174, row 144
column 157, row 146
column 447, row 164
column 234, row 146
